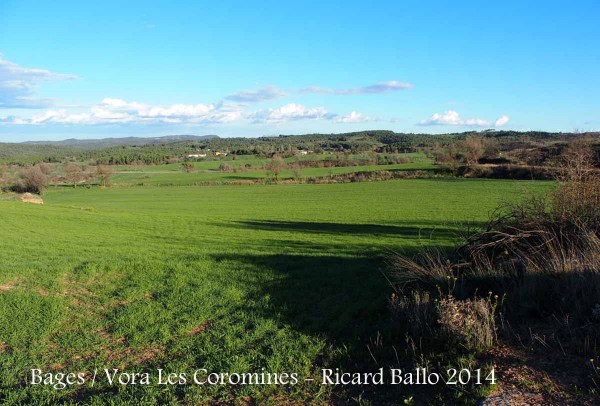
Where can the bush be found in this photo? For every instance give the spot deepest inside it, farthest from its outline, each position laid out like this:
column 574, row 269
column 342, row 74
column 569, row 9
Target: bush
column 103, row 173
column 505, row 172
column 45, row 168
column 415, row 312
column 446, row 322
column 31, row 180
column 468, row 323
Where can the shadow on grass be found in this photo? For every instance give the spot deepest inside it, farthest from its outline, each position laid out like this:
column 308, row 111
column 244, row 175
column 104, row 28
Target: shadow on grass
column 336, row 291
column 427, row 230
column 241, row 177
column 343, row 300
column 338, row 298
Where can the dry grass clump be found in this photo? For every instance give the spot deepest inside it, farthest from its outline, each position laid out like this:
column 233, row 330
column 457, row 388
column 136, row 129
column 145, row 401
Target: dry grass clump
column 415, row 312
column 446, row 321
column 470, row 323
column 431, row 267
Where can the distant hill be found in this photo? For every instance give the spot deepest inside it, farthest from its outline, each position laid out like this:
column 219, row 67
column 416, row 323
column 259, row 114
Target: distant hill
column 127, row 141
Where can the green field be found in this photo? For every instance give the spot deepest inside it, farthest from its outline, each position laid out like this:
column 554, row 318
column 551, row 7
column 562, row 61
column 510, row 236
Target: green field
column 175, row 177
column 248, row 168
column 227, row 278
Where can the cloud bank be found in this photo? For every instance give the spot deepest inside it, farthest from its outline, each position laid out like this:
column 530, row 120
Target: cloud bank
column 111, row 110
column 118, row 111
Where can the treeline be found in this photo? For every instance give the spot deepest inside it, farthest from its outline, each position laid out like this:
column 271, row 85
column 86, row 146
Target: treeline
column 378, row 141
column 27, row 154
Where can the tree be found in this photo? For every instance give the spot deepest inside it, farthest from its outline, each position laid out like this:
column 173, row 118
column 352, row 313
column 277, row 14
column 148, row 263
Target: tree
column 474, row 147
column 274, row 167
column 45, row 168
column 32, row 179
column 450, row 156
column 103, row 173
column 74, row 173
column 297, row 171
column 578, row 161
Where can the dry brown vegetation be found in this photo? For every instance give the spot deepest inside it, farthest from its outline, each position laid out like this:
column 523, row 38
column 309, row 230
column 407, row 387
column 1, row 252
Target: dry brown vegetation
column 274, row 167
column 31, row 180
column 103, row 173
column 534, row 271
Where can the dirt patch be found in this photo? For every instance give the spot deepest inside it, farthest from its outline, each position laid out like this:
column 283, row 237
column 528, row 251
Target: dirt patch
column 537, row 376
column 515, row 397
column 6, row 287
column 31, row 198
column 201, row 328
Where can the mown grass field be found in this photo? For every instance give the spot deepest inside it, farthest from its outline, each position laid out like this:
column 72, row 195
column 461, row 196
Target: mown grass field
column 227, row 278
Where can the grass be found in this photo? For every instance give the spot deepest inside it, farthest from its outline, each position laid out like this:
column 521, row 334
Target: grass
column 208, row 171
column 227, row 278
column 158, row 177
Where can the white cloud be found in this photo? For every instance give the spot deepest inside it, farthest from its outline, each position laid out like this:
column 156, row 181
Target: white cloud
column 290, row 112
column 502, row 121
column 111, row 110
column 255, row 96
column 18, row 84
column 452, row 117
column 353, row 117
column 384, row 87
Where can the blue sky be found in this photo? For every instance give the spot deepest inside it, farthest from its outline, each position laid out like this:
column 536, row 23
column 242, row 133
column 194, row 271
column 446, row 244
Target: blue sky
column 118, row 68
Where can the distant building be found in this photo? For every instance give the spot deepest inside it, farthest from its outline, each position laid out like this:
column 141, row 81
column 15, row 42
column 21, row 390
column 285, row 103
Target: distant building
column 218, row 153
column 196, row 156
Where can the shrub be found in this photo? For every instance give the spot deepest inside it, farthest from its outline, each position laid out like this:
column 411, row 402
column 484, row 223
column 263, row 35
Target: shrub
column 506, row 172
column 468, row 323
column 224, row 168
column 31, row 180
column 45, row 168
column 446, row 322
column 415, row 312
column 103, row 173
